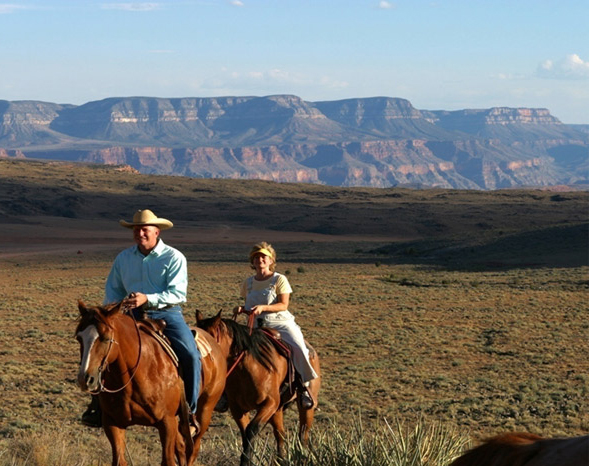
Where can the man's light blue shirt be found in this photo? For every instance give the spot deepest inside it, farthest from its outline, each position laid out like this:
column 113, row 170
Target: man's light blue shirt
column 162, row 276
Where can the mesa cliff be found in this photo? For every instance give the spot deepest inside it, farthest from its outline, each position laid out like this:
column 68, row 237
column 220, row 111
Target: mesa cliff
column 378, row 142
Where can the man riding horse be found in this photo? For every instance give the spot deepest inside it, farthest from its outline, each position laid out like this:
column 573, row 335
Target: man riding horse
column 153, row 277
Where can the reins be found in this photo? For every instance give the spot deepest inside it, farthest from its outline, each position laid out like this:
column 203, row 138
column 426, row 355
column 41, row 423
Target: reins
column 104, row 363
column 250, row 324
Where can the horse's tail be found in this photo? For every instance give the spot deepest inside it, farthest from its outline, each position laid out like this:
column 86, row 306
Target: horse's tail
column 184, row 425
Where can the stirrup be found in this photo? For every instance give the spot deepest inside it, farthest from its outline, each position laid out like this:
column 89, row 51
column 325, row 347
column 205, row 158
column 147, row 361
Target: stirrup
column 306, row 399
column 194, row 425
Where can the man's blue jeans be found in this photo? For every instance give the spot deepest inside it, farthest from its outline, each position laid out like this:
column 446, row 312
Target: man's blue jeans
column 184, row 346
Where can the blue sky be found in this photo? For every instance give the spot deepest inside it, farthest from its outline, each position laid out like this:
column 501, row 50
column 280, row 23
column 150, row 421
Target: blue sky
column 439, row 54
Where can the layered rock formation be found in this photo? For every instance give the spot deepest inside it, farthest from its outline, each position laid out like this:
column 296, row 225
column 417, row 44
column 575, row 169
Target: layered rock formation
column 377, row 141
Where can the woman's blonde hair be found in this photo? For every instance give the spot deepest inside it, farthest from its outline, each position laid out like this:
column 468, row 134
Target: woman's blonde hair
column 266, row 249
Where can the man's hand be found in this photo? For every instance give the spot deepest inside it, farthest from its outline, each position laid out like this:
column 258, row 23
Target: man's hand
column 135, row 300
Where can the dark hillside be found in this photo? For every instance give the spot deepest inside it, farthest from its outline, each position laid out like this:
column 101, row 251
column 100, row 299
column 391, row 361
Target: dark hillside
column 449, row 227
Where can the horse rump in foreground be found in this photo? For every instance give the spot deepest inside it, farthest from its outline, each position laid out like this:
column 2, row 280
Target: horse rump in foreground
column 255, row 382
column 524, row 449
column 137, row 383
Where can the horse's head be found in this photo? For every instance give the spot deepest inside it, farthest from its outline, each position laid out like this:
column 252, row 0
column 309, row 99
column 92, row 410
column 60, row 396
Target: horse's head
column 212, row 325
column 95, row 333
column 216, row 327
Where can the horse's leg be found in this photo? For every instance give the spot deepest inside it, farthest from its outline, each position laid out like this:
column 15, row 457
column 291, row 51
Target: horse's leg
column 116, row 437
column 180, row 449
column 203, row 416
column 305, row 421
column 277, row 421
column 242, row 420
column 183, row 439
column 168, row 430
column 259, row 420
column 306, row 416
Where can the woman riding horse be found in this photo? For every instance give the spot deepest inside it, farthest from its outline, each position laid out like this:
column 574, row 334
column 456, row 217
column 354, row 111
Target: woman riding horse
column 255, row 381
column 267, row 295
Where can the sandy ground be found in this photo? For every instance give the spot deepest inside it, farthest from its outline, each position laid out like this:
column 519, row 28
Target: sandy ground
column 50, row 235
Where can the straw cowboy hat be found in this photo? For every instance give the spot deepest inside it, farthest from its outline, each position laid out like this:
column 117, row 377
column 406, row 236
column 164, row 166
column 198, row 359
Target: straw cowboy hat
column 147, row 217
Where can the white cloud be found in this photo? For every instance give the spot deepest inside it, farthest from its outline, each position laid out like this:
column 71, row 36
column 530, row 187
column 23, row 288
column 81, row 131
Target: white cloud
column 570, row 67
column 237, row 3
column 137, row 6
column 384, row 5
column 7, row 8
column 271, row 81
column 330, row 83
column 509, row 76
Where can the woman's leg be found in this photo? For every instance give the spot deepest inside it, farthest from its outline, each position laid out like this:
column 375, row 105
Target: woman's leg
column 292, row 334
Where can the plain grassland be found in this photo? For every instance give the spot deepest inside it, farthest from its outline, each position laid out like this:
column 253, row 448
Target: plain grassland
column 483, row 352
column 474, row 317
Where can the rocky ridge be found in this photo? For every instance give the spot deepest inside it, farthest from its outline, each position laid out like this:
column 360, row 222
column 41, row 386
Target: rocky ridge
column 379, row 142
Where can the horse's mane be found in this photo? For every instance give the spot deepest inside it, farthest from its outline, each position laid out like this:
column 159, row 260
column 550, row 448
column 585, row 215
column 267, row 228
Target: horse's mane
column 513, row 449
column 257, row 344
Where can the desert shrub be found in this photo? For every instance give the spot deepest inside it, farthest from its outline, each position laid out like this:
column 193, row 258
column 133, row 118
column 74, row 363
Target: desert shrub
column 353, row 444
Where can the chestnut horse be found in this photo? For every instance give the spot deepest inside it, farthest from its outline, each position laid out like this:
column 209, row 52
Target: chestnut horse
column 256, row 374
column 137, row 382
column 523, row 449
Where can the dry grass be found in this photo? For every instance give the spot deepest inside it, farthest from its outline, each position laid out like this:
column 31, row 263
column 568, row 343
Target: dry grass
column 481, row 352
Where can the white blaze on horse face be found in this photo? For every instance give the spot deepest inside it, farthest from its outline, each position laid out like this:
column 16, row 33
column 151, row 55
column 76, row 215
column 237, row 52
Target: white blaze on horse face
column 87, row 338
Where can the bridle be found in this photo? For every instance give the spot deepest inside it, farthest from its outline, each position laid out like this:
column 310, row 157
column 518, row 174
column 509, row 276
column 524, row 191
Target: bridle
column 104, row 363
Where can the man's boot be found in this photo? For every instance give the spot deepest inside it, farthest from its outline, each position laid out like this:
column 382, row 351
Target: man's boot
column 92, row 417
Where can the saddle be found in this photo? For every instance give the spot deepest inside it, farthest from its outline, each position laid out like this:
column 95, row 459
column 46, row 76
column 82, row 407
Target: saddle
column 155, row 328
column 292, row 380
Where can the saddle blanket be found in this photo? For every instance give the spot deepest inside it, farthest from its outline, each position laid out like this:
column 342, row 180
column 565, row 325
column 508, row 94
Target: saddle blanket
column 201, row 343
column 154, row 330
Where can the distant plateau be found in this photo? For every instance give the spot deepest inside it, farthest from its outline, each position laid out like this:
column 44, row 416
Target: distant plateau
column 369, row 142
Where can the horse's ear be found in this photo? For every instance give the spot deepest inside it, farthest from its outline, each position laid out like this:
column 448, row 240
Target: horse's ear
column 198, row 316
column 82, row 307
column 112, row 309
column 217, row 319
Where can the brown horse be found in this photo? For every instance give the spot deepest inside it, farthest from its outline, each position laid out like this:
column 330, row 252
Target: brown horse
column 137, row 382
column 257, row 372
column 523, row 449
